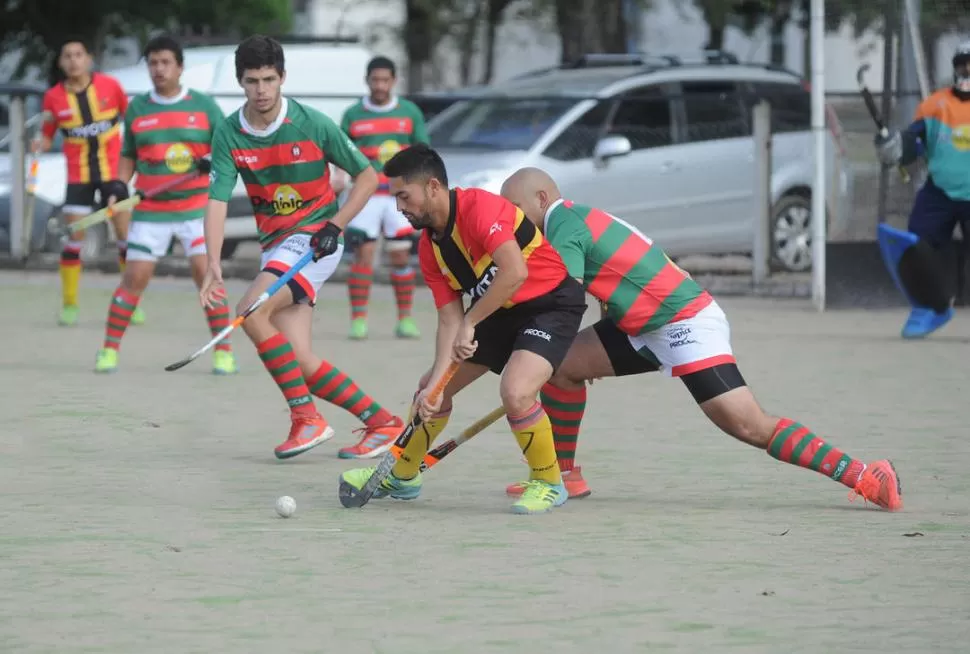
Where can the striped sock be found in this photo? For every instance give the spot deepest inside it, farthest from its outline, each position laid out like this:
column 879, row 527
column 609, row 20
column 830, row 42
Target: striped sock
column 329, row 384
column 565, row 410
column 277, row 355
column 70, row 272
column 794, row 443
column 122, row 254
column 218, row 319
column 403, row 281
column 533, row 431
column 358, row 285
column 122, row 306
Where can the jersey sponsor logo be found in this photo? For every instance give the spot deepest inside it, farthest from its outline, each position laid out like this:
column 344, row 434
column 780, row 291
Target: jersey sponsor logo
column 387, row 150
column 65, row 113
column 246, row 158
column 481, row 287
column 144, row 122
column 178, row 158
column 286, row 200
column 90, row 130
column 961, row 138
column 532, row 331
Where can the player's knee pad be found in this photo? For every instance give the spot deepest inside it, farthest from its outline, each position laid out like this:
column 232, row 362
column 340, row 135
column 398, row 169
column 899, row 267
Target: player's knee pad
column 922, row 273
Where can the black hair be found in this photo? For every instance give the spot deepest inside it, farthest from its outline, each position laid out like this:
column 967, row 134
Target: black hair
column 55, row 74
column 257, row 52
column 164, row 42
column 419, row 161
column 74, row 39
column 381, row 63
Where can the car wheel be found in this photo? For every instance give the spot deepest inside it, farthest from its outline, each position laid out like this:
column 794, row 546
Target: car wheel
column 791, row 234
column 229, row 249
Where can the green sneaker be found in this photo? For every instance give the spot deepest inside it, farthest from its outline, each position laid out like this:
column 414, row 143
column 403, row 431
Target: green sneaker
column 358, row 329
column 137, row 316
column 407, row 328
column 68, row 317
column 224, row 363
column 540, row 496
column 107, row 360
column 398, row 489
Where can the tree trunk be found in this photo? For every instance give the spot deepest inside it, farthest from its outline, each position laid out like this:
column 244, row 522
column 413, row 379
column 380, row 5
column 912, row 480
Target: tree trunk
column 493, row 17
column 468, row 39
column 588, row 26
column 418, row 37
column 715, row 37
column 779, row 20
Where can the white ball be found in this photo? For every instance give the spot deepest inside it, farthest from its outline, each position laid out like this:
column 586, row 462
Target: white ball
column 285, row 506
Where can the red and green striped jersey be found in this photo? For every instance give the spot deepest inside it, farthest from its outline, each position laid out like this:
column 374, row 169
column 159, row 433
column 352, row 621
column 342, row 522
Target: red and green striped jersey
column 382, row 131
column 622, row 268
column 285, row 168
column 166, row 137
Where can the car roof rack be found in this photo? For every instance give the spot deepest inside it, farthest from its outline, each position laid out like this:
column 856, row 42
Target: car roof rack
column 208, row 40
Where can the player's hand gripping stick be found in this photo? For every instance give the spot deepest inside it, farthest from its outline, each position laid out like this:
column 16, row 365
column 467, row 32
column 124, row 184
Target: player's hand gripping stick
column 126, row 205
column 874, row 113
column 265, row 295
column 351, row 497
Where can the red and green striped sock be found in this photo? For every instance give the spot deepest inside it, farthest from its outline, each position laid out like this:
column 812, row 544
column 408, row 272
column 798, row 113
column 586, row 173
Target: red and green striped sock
column 277, row 355
column 358, row 285
column 329, row 384
column 565, row 410
column 794, row 443
column 122, row 306
column 404, row 283
column 218, row 318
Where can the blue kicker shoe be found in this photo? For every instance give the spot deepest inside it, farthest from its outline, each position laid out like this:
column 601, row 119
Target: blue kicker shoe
column 923, row 322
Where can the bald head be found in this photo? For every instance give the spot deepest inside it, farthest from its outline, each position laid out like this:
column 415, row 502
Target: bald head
column 533, row 191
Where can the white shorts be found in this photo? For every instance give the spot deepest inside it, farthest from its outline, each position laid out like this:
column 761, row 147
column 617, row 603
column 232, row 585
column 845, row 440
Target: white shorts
column 149, row 241
column 380, row 215
column 692, row 344
column 305, row 284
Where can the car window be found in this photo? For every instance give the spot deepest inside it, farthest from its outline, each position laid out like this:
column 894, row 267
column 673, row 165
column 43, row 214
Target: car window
column 578, row 140
column 791, row 105
column 644, row 117
column 713, row 111
column 497, row 123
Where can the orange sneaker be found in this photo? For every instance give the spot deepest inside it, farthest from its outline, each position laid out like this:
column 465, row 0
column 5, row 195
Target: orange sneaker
column 573, row 479
column 880, row 485
column 306, row 432
column 374, row 442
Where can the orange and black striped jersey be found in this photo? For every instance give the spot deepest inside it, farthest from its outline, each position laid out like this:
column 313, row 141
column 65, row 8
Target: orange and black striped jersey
column 90, row 121
column 460, row 260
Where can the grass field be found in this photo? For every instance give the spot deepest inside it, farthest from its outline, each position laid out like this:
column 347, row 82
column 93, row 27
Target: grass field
column 137, row 509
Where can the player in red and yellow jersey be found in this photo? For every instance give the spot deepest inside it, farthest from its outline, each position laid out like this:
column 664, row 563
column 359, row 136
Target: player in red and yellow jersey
column 525, row 312
column 658, row 318
column 88, row 109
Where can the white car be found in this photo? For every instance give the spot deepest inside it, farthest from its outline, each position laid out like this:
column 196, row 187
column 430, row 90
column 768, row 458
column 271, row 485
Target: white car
column 328, row 76
column 663, row 143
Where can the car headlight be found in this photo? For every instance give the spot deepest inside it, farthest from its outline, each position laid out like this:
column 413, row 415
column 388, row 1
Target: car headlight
column 487, row 180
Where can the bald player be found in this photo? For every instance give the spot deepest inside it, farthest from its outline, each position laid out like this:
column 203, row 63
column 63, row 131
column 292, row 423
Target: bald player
column 658, row 318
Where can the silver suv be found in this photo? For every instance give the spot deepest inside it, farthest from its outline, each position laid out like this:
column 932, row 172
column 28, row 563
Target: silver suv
column 664, row 143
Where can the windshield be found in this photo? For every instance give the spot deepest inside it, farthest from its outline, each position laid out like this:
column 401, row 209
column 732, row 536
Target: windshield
column 497, row 123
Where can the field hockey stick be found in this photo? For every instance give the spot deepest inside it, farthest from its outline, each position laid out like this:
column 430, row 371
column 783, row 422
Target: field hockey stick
column 351, row 497
column 125, row 205
column 874, row 113
column 437, row 454
column 265, row 295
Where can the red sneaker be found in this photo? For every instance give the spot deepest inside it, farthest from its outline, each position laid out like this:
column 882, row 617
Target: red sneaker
column 880, row 485
column 374, row 442
column 306, row 432
column 573, row 479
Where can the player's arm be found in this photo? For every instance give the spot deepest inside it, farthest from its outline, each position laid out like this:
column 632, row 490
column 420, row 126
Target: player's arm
column 451, row 310
column 126, row 165
column 48, row 127
column 904, row 147
column 345, row 155
column 222, row 180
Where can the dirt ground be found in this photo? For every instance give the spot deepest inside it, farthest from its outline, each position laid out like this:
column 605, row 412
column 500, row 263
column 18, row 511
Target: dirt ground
column 137, row 509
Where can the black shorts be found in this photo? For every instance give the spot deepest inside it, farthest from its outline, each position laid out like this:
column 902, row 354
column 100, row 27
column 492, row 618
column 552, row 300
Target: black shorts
column 546, row 326
column 79, row 198
column 626, row 360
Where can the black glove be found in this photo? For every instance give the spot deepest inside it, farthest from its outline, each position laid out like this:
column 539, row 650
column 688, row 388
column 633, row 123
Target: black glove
column 325, row 241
